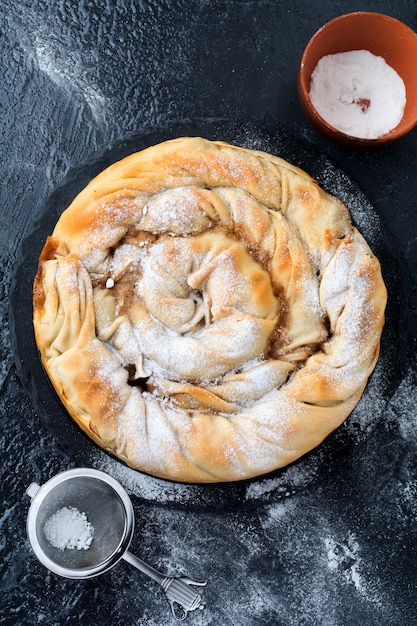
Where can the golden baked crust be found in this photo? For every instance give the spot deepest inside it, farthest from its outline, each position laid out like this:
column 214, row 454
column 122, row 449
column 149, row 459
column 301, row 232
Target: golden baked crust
column 207, row 313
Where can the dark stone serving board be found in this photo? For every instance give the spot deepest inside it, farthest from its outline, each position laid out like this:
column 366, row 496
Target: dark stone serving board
column 280, row 484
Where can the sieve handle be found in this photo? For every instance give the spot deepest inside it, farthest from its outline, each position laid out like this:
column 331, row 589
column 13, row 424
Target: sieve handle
column 144, row 567
column 177, row 589
column 32, row 490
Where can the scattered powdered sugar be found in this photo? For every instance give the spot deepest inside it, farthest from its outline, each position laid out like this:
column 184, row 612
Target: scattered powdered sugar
column 68, row 528
column 409, row 497
column 329, row 560
column 285, row 484
column 369, row 410
column 344, row 557
column 402, row 408
column 145, row 486
column 401, row 423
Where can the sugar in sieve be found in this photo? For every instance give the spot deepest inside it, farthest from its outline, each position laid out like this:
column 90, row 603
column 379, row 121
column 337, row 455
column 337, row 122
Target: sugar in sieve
column 109, row 510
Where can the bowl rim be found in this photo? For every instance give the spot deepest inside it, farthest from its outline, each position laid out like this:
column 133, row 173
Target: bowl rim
column 376, row 14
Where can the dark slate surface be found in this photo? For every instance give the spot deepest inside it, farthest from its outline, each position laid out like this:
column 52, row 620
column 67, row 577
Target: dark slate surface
column 330, row 540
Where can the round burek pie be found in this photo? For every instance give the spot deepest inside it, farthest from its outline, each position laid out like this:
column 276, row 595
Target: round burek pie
column 206, row 312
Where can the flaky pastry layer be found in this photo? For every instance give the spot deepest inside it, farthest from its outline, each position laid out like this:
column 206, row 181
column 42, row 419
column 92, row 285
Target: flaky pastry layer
column 207, row 313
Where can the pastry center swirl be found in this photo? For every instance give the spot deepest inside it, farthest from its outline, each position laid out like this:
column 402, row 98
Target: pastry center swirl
column 210, row 286
column 207, row 302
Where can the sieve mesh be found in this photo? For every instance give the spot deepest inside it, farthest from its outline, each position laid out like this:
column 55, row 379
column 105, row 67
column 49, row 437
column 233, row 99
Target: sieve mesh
column 104, row 510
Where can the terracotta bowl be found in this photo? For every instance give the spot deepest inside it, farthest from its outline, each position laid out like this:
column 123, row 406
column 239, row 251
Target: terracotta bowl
column 383, row 36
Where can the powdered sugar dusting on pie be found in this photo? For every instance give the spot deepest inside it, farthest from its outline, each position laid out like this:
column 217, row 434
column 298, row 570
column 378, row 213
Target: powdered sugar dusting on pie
column 207, row 313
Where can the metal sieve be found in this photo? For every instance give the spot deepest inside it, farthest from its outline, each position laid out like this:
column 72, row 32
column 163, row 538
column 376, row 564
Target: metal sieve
column 109, row 510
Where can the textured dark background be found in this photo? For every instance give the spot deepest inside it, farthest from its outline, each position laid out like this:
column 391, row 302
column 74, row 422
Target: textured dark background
column 331, row 540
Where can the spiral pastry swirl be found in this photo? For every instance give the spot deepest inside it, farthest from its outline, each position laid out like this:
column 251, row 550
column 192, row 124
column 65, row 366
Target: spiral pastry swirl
column 207, row 313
